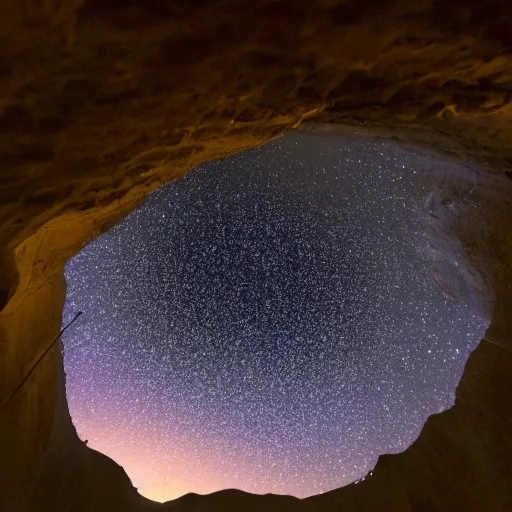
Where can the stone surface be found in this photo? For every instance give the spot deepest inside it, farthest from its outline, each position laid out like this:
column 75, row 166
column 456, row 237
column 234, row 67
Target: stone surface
column 101, row 101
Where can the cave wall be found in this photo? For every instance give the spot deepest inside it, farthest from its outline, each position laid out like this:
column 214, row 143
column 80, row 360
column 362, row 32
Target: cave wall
column 101, row 101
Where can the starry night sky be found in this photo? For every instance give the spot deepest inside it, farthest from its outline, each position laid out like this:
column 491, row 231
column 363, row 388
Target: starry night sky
column 274, row 321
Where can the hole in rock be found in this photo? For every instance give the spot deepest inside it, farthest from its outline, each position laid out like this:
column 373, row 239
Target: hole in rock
column 276, row 320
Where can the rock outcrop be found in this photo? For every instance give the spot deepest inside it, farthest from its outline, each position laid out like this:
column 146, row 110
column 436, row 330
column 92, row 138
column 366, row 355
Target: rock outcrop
column 104, row 100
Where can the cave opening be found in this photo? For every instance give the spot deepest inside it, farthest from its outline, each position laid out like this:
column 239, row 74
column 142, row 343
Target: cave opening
column 276, row 320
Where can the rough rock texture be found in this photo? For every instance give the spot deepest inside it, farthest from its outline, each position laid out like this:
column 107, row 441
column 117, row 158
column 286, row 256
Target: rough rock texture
column 101, row 101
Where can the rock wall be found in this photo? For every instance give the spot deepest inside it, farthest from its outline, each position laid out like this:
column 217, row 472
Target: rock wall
column 101, row 101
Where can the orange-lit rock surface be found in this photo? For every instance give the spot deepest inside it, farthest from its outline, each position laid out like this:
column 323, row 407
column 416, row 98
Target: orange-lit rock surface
column 101, row 101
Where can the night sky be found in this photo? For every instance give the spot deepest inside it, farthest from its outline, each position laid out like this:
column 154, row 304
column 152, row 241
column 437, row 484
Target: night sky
column 274, row 321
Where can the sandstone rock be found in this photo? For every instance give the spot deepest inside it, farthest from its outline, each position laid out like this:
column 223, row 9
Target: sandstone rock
column 102, row 101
